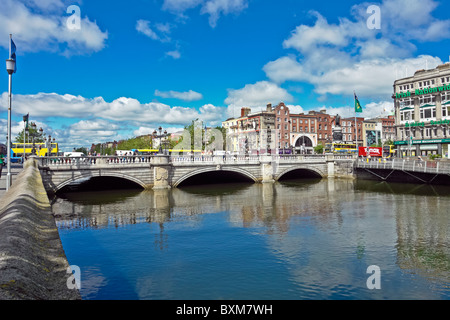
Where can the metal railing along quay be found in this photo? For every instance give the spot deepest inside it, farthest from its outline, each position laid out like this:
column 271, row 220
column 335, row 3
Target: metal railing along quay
column 434, row 167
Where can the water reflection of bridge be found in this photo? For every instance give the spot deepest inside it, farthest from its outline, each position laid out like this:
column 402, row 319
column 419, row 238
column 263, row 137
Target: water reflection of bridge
column 420, row 240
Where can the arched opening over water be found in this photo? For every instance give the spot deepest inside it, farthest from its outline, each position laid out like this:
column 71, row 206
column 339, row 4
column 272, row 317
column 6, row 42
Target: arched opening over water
column 297, row 174
column 214, row 178
column 102, row 183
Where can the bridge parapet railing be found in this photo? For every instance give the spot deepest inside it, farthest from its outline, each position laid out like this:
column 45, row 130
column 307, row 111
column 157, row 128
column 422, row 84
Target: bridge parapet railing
column 438, row 167
column 185, row 159
column 92, row 160
column 235, row 159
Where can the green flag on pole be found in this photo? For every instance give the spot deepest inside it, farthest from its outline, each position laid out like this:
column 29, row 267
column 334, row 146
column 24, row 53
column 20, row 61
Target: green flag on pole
column 358, row 107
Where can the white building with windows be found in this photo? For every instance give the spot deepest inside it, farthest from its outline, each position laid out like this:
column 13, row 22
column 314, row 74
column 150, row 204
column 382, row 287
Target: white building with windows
column 422, row 112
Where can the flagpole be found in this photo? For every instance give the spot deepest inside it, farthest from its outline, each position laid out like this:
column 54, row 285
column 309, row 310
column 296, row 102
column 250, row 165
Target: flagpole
column 356, row 126
column 8, row 157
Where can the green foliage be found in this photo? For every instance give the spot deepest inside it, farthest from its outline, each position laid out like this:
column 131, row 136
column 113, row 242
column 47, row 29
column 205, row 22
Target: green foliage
column 82, row 149
column 38, row 136
column 142, row 142
column 434, row 156
column 319, row 148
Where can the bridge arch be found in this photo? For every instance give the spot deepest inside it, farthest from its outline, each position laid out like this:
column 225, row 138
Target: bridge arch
column 207, row 170
column 96, row 174
column 294, row 168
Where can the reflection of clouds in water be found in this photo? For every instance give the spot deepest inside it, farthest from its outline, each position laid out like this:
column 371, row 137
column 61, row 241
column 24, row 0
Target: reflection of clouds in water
column 92, row 282
column 326, row 233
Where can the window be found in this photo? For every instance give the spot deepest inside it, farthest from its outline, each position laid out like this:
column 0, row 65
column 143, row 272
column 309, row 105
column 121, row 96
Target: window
column 427, row 99
column 406, row 102
column 426, row 113
column 407, row 115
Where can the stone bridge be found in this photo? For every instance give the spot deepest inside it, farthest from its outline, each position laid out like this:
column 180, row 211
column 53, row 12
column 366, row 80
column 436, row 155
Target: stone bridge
column 161, row 171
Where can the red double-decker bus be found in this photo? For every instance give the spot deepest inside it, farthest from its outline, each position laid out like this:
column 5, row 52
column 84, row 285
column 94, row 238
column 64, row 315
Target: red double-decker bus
column 370, row 151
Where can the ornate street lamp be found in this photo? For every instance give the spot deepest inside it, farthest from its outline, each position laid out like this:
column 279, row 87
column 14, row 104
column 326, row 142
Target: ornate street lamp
column 160, row 136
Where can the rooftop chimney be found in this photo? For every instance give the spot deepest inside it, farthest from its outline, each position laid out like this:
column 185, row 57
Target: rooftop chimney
column 245, row 112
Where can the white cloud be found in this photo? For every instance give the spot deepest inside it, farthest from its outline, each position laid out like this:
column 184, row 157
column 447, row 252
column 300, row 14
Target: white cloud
column 174, row 54
column 104, row 120
column 37, row 25
column 186, row 96
column 305, row 38
column 370, row 110
column 256, row 95
column 141, row 131
column 337, row 58
column 143, row 26
column 214, row 8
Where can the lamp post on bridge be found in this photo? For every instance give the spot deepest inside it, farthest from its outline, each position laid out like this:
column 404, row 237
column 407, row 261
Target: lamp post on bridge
column 160, row 136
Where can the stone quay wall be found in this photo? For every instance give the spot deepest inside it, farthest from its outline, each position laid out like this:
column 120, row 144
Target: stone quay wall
column 33, row 265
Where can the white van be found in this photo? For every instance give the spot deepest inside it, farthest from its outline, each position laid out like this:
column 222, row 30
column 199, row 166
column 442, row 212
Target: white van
column 124, row 152
column 74, row 154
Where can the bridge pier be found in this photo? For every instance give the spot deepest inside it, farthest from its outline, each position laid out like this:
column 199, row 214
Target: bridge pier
column 267, row 169
column 329, row 158
column 162, row 172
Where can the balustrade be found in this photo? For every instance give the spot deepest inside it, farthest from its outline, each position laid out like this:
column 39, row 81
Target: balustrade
column 185, row 159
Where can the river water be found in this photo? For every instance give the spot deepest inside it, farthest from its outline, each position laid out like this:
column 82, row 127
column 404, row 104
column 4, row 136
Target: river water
column 300, row 239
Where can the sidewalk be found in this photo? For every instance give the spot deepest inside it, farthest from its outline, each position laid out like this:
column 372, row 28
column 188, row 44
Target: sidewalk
column 15, row 170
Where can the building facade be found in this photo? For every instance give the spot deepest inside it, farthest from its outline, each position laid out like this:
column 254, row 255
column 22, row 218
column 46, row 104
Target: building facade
column 350, row 133
column 277, row 130
column 251, row 133
column 422, row 112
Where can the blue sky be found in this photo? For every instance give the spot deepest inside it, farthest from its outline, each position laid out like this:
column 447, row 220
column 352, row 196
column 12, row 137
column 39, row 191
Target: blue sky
column 131, row 67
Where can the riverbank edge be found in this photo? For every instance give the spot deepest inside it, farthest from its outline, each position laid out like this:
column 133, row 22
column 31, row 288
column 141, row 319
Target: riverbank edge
column 33, row 264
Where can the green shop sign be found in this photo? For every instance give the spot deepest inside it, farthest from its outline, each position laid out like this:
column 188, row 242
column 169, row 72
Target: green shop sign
column 422, row 92
column 415, row 124
column 433, row 141
column 422, row 124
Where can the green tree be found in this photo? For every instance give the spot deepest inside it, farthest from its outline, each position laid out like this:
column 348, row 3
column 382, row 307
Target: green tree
column 319, row 148
column 31, row 132
column 82, row 149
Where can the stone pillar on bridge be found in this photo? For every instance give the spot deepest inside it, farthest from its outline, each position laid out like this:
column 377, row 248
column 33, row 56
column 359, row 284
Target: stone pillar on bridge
column 329, row 158
column 267, row 169
column 162, row 171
